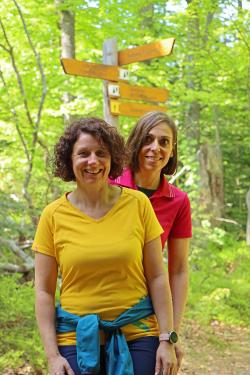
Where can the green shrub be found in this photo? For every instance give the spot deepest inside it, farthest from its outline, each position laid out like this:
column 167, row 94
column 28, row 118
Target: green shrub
column 19, row 337
column 219, row 280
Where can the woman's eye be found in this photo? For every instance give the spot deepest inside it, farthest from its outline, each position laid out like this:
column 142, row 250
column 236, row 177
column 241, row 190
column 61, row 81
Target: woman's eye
column 83, row 154
column 101, row 153
column 148, row 140
column 164, row 142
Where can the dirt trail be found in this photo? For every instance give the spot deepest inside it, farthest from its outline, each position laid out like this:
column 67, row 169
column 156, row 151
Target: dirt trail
column 218, row 350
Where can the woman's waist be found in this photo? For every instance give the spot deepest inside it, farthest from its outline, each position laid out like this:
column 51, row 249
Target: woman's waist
column 141, row 328
column 103, row 307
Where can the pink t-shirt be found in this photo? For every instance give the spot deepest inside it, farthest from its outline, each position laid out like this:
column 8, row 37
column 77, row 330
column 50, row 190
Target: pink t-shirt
column 171, row 205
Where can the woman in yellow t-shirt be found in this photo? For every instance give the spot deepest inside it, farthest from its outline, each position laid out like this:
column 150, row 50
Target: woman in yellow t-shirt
column 104, row 241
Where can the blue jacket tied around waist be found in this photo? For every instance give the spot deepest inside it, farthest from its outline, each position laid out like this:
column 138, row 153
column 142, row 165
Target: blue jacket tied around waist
column 118, row 359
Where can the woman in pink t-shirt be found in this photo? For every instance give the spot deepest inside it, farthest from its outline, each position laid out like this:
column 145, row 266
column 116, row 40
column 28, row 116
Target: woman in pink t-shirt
column 152, row 153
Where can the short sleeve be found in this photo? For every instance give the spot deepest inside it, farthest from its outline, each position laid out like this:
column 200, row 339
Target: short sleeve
column 44, row 238
column 182, row 225
column 152, row 227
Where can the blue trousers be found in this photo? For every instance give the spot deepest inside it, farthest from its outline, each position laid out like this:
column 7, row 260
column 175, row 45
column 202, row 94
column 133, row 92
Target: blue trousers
column 142, row 351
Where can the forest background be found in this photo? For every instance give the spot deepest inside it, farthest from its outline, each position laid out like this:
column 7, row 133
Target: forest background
column 208, row 76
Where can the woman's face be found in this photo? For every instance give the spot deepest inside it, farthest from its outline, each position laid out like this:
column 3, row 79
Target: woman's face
column 91, row 161
column 157, row 149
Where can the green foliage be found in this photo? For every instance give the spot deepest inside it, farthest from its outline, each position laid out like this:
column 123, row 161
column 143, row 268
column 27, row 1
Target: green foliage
column 14, row 222
column 19, row 336
column 219, row 280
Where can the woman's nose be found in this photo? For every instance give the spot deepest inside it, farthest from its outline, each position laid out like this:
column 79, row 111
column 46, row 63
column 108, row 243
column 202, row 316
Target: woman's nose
column 92, row 159
column 155, row 145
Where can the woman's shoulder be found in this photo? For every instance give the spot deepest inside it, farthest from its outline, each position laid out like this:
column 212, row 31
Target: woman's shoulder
column 177, row 192
column 180, row 199
column 136, row 194
column 52, row 207
column 170, row 191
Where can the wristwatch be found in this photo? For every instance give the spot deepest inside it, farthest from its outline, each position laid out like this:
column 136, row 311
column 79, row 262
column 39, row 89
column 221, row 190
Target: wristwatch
column 171, row 337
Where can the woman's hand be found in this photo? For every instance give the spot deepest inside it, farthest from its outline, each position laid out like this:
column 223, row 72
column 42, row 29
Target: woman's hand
column 179, row 355
column 166, row 363
column 59, row 366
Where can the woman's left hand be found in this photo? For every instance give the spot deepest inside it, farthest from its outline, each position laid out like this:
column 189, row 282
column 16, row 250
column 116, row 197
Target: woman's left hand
column 179, row 355
column 166, row 363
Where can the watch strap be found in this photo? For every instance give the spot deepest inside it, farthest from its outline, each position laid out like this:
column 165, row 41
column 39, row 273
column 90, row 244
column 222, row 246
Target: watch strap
column 164, row 336
column 170, row 337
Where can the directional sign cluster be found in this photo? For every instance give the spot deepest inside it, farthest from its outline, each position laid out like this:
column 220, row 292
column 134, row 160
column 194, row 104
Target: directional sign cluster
column 118, row 88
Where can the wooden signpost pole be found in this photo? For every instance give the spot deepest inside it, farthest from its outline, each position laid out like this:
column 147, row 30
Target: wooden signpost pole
column 110, row 57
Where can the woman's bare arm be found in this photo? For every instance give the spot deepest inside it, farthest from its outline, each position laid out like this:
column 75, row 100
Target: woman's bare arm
column 45, row 287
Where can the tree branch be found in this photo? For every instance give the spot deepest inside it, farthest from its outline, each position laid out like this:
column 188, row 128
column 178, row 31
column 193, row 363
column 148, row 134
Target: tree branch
column 43, row 79
column 18, row 75
column 33, row 123
column 10, row 267
column 3, row 47
column 209, row 20
column 27, row 262
column 16, row 120
column 184, row 169
column 11, row 245
column 230, row 221
column 40, row 107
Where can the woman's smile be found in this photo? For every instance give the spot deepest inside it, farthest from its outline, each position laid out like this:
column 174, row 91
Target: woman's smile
column 92, row 172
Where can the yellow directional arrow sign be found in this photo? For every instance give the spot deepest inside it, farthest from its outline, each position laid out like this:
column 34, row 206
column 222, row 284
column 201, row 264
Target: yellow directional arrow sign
column 87, row 69
column 133, row 109
column 126, row 91
column 149, row 51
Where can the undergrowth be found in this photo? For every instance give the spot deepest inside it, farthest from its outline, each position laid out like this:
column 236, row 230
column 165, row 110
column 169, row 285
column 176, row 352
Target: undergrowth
column 219, row 281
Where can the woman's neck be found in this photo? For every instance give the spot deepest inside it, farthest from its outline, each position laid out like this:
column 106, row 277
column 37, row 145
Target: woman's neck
column 89, row 197
column 95, row 203
column 147, row 180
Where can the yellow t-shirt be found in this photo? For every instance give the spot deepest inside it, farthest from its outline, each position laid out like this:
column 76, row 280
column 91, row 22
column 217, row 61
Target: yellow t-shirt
column 101, row 261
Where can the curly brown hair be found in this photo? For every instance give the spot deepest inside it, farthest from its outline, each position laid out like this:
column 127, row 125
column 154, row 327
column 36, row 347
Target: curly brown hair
column 137, row 137
column 107, row 135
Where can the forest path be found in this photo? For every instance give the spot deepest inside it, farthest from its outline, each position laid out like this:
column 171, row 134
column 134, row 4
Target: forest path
column 215, row 350
column 219, row 350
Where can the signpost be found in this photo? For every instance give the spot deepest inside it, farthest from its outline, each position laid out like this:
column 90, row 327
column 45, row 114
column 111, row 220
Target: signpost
column 125, row 91
column 115, row 88
column 87, row 69
column 133, row 109
column 146, row 52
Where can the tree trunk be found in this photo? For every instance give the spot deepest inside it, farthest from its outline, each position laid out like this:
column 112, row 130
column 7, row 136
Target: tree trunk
column 67, row 27
column 248, row 218
column 192, row 120
column 68, row 34
column 147, row 13
column 211, row 198
column 211, row 181
column 193, row 109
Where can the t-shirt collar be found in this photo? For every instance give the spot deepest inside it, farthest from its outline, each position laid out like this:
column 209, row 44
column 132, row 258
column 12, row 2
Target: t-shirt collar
column 164, row 190
column 126, row 179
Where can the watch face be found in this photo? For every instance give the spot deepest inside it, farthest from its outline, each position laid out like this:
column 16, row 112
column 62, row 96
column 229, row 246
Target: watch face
column 173, row 338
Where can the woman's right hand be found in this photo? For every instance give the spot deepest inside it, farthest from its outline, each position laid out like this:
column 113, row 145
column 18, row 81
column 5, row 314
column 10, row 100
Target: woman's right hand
column 166, row 363
column 59, row 366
